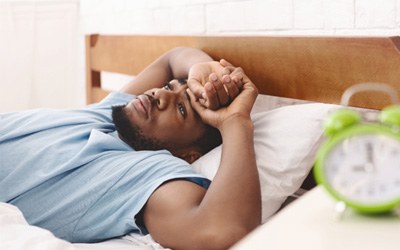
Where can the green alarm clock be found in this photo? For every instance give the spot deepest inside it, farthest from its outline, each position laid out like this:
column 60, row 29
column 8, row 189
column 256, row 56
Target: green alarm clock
column 359, row 163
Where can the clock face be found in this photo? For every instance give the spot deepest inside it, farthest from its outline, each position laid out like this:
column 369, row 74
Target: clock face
column 365, row 168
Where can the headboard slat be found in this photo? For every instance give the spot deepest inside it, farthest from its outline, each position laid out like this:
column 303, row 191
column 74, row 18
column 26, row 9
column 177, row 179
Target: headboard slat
column 310, row 68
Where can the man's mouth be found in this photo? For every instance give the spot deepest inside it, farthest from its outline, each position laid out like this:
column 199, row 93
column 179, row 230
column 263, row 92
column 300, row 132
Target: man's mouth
column 143, row 104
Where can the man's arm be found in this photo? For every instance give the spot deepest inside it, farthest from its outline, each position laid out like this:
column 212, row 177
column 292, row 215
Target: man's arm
column 182, row 215
column 174, row 64
column 210, row 80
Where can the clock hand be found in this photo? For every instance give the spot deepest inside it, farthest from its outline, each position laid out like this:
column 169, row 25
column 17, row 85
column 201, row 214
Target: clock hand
column 370, row 152
column 370, row 166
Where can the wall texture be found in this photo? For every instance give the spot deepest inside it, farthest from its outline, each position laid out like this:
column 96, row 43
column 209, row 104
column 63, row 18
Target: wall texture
column 241, row 17
column 276, row 17
column 42, row 48
column 39, row 54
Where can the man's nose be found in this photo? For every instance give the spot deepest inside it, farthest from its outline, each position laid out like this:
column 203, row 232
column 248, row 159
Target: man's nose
column 164, row 97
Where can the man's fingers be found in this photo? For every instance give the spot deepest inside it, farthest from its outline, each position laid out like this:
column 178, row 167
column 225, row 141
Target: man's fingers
column 225, row 63
column 232, row 90
column 228, row 67
column 211, row 96
column 238, row 80
column 221, row 93
column 235, row 73
column 227, row 70
column 220, row 88
column 193, row 101
column 196, row 88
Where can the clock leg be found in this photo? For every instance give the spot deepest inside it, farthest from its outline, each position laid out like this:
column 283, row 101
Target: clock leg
column 340, row 208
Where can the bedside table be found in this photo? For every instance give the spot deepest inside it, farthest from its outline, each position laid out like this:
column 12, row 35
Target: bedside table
column 311, row 222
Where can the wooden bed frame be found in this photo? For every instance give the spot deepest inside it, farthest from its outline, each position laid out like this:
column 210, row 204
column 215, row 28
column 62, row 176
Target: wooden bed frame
column 308, row 68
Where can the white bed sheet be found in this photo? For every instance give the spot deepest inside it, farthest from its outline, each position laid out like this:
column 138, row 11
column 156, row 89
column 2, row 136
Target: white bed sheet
column 16, row 233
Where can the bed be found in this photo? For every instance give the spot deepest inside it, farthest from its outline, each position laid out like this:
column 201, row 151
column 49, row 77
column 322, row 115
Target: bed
column 300, row 79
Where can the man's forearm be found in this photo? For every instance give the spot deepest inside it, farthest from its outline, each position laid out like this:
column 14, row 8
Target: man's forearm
column 174, row 64
column 235, row 190
column 183, row 58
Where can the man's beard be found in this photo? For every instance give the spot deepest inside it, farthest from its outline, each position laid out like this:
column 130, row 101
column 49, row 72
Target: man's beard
column 132, row 134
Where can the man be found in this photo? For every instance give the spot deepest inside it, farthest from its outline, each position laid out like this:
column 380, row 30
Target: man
column 71, row 172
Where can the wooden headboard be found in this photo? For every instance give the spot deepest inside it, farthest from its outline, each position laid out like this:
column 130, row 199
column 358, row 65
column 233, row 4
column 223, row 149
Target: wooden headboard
column 308, row 68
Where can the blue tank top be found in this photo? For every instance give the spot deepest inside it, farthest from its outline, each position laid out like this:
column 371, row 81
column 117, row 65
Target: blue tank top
column 68, row 171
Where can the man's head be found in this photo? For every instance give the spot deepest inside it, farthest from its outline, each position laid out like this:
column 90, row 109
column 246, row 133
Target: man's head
column 163, row 118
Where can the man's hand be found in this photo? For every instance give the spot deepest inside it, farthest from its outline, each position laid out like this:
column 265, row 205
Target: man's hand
column 214, row 84
column 240, row 107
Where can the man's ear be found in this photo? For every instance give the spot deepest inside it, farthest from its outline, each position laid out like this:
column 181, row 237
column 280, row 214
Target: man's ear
column 190, row 155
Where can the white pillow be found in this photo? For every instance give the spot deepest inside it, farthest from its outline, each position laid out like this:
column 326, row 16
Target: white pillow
column 286, row 140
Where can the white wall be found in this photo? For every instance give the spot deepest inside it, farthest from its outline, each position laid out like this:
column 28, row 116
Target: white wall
column 242, row 17
column 39, row 54
column 208, row 17
column 41, row 41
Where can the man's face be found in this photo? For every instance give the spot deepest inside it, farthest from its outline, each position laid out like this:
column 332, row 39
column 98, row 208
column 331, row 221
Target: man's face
column 166, row 115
